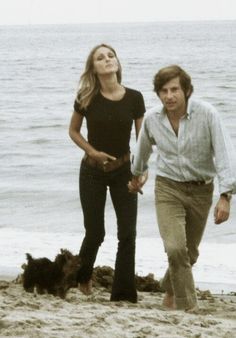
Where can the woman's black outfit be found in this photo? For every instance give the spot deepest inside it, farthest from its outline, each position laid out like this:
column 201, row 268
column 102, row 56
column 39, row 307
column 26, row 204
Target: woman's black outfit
column 109, row 125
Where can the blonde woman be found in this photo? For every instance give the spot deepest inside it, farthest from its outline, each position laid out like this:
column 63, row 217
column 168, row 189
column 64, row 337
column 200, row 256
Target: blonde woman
column 110, row 110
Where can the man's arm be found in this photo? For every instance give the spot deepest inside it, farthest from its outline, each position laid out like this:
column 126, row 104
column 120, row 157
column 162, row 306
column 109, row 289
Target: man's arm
column 142, row 152
column 139, row 160
column 223, row 152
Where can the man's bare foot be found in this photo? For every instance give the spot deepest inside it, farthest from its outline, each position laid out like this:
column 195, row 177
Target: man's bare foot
column 169, row 301
column 86, row 288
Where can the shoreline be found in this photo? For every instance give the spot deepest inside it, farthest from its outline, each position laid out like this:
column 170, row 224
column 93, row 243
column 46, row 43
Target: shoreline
column 215, row 269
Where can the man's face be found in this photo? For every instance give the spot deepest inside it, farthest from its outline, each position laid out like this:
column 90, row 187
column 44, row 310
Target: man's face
column 172, row 97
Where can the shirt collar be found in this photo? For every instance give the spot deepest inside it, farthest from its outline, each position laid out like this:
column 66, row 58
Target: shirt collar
column 189, row 109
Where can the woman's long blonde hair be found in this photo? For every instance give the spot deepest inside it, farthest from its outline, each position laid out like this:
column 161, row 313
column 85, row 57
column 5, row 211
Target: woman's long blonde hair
column 89, row 84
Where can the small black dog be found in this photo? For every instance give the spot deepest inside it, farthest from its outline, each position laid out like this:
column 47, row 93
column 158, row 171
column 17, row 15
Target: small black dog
column 53, row 277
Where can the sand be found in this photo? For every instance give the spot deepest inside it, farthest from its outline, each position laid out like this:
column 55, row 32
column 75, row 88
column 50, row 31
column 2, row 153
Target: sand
column 24, row 314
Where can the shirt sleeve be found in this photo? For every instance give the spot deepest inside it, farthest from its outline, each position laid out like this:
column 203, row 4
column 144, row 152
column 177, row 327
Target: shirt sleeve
column 139, row 108
column 77, row 108
column 224, row 154
column 142, row 152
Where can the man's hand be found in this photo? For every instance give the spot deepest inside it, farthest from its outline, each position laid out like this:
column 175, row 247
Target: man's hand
column 222, row 209
column 135, row 185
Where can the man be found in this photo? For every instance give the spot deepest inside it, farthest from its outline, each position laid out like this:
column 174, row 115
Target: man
column 192, row 147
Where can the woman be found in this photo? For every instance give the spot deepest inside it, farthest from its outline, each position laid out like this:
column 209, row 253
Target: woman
column 109, row 109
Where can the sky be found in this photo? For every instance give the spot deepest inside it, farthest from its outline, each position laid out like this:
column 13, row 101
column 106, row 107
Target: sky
column 89, row 11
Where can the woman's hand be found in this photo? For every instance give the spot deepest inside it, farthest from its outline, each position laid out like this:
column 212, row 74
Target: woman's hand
column 137, row 182
column 101, row 156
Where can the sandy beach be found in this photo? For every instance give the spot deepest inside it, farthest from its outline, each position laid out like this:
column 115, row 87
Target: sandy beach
column 24, row 314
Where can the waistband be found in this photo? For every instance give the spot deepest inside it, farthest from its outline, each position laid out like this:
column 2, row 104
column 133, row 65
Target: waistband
column 200, row 182
column 108, row 165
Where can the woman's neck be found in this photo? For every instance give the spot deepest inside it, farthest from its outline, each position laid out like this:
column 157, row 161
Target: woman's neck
column 109, row 84
column 111, row 88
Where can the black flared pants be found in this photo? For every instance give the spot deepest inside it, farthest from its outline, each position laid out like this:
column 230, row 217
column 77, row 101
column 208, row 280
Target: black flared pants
column 94, row 184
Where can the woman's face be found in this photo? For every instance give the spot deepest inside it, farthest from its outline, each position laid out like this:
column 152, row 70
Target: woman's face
column 104, row 61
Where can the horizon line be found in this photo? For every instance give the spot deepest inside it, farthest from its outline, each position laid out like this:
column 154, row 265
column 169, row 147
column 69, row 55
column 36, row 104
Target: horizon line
column 118, row 22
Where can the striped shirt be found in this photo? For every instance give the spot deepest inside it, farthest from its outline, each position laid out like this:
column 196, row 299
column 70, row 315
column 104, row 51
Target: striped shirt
column 201, row 150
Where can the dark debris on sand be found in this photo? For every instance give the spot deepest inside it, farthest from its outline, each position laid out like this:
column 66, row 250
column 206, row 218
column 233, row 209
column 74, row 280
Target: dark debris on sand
column 103, row 277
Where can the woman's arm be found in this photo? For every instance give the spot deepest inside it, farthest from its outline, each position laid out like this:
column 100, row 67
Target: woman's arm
column 76, row 136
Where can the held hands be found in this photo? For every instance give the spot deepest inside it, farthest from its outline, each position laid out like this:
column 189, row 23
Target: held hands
column 222, row 209
column 135, row 185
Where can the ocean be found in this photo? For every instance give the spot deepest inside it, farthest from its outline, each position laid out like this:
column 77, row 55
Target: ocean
column 40, row 66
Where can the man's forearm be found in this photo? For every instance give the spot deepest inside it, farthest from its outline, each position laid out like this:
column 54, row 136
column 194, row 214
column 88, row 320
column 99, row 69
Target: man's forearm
column 141, row 155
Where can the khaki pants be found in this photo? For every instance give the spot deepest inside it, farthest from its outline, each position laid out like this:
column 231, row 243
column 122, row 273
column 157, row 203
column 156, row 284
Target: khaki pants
column 182, row 211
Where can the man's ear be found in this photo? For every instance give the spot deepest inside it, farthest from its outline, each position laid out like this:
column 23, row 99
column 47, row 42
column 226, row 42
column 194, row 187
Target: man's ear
column 188, row 94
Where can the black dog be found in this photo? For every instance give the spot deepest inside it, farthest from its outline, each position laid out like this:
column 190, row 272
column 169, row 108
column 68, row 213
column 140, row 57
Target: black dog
column 53, row 277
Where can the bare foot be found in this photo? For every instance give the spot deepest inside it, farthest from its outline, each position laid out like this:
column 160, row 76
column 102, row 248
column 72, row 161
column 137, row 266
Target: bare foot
column 86, row 288
column 169, row 301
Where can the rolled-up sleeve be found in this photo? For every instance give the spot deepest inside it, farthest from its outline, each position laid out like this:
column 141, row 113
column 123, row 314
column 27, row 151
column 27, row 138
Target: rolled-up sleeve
column 142, row 151
column 224, row 154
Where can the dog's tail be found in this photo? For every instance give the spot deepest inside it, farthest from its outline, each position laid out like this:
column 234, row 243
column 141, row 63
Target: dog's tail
column 29, row 257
